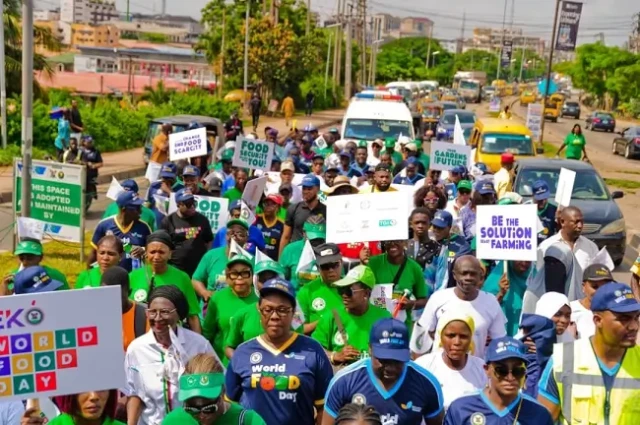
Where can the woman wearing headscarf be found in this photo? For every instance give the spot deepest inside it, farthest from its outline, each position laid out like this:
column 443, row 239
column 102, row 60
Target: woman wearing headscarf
column 157, row 272
column 155, row 361
column 555, row 306
column 459, row 372
column 109, row 252
column 509, row 288
column 91, row 407
column 201, row 394
column 227, row 302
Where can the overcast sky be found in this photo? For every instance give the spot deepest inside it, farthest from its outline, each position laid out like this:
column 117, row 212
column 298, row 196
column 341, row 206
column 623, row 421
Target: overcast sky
column 612, row 17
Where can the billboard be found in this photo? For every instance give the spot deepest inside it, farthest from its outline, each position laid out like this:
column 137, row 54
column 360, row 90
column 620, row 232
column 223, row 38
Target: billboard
column 568, row 23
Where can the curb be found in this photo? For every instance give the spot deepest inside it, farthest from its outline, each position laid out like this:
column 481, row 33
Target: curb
column 137, row 171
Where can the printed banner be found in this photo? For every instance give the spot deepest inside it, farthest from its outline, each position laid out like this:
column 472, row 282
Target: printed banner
column 494, row 104
column 188, row 144
column 568, row 24
column 445, row 155
column 505, row 56
column 57, row 197
column 253, row 154
column 368, row 217
column 215, row 209
column 534, row 120
column 49, row 349
column 507, row 232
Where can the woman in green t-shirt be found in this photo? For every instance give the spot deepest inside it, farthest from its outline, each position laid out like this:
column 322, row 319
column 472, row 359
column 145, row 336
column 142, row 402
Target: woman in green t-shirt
column 108, row 254
column 575, row 143
column 95, row 407
column 201, row 391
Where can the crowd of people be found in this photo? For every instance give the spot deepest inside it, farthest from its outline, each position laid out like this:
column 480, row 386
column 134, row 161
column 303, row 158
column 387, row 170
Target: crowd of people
column 238, row 326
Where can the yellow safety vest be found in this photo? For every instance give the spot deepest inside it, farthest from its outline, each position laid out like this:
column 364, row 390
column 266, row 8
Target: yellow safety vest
column 583, row 397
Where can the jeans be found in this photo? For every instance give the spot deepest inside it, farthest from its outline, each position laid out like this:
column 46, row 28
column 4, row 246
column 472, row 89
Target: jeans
column 256, row 118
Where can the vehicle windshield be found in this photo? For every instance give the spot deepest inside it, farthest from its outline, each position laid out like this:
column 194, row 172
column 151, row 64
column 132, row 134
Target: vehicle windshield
column 464, row 118
column 603, row 115
column 499, row 143
column 405, row 93
column 432, row 112
column 370, row 129
column 588, row 185
column 447, row 106
column 465, row 84
column 467, row 132
column 571, row 104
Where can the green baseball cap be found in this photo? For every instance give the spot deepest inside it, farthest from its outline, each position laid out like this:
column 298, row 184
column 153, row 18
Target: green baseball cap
column 205, row 385
column 239, row 258
column 179, row 417
column 465, row 184
column 362, row 274
column 418, row 143
column 269, row 266
column 506, row 201
column 389, row 143
column 315, row 231
column 239, row 222
column 29, row 247
column 362, row 144
column 227, row 155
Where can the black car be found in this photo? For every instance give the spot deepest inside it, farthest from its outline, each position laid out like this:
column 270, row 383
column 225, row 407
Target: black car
column 628, row 143
column 603, row 220
column 601, row 121
column 571, row 109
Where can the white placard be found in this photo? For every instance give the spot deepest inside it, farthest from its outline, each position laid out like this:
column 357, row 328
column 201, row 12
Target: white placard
column 153, row 171
column 445, row 155
column 565, row 187
column 188, row 144
column 215, row 209
column 30, row 228
column 534, row 120
column 458, row 133
column 115, row 189
column 368, row 217
column 253, row 191
column 253, row 154
column 507, row 232
column 603, row 257
column 49, row 349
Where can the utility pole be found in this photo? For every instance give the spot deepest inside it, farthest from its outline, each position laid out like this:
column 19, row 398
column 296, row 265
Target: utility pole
column 3, row 82
column 464, row 20
column 429, row 45
column 363, row 54
column 549, row 65
column 222, row 47
column 335, row 72
column 308, row 17
column 246, row 54
column 27, row 105
column 504, row 21
column 128, row 11
column 347, row 62
column 326, row 72
column 521, row 65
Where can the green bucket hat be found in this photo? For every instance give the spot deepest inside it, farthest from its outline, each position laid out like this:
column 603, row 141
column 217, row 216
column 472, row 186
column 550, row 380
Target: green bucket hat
column 29, row 247
column 239, row 222
column 205, row 385
column 269, row 266
column 465, row 184
column 239, row 258
column 315, row 231
column 362, row 274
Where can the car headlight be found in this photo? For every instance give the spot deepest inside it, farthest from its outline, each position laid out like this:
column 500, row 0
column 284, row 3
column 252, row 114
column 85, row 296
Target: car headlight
column 616, row 226
column 442, row 130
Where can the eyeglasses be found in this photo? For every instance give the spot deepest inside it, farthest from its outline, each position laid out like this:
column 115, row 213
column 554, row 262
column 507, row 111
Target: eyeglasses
column 245, row 274
column 329, row 266
column 348, row 291
column 502, row 371
column 280, row 311
column 209, row 409
column 165, row 314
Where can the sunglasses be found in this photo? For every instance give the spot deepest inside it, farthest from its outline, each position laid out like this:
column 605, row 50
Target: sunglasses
column 209, row 409
column 189, row 204
column 464, row 192
column 329, row 266
column 502, row 371
column 348, row 291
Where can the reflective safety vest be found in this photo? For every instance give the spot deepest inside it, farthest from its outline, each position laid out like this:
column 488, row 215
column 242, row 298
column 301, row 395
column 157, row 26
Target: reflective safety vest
column 583, row 397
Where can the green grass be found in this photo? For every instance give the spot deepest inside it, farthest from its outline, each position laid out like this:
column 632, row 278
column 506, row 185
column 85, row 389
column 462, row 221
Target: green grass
column 630, row 172
column 622, row 183
column 549, row 149
column 12, row 151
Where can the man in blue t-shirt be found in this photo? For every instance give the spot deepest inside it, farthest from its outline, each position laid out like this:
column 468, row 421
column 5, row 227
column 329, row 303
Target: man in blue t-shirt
column 546, row 210
column 500, row 402
column 400, row 390
column 127, row 227
column 167, row 183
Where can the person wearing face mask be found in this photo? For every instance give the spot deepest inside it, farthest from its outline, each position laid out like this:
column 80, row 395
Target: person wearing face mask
column 314, row 231
column 108, row 255
column 399, row 389
column 344, row 334
column 227, row 302
column 421, row 247
column 202, row 394
column 595, row 276
column 190, row 232
column 501, row 401
column 451, row 361
column 280, row 374
column 30, row 254
column 555, row 306
column 210, row 274
column 91, row 407
column 157, row 272
column 154, row 362
column 482, row 306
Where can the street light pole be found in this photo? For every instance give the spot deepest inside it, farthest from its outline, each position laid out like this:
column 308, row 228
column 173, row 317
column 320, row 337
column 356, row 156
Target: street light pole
column 549, row 66
column 27, row 104
column 326, row 72
column 3, row 82
column 504, row 21
column 246, row 54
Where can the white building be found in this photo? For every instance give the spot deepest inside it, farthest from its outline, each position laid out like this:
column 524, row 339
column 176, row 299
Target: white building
column 46, row 15
column 87, row 11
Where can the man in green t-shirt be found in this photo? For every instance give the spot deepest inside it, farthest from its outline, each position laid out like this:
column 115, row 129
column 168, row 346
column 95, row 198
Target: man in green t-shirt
column 390, row 148
column 146, row 214
column 30, row 253
column 319, row 296
column 235, row 193
column 344, row 334
column 313, row 231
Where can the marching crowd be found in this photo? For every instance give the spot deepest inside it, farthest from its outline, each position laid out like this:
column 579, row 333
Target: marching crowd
column 237, row 327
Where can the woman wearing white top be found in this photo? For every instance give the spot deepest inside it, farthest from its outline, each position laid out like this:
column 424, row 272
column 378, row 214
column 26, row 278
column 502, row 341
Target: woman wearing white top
column 155, row 360
column 555, row 306
column 594, row 277
column 459, row 372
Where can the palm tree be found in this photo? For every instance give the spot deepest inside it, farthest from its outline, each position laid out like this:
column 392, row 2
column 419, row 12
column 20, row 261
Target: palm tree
column 158, row 95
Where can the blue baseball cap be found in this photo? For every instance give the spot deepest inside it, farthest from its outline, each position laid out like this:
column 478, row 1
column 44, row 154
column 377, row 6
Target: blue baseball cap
column 485, row 188
column 345, row 153
column 129, row 199
column 130, row 185
column 541, row 191
column 307, row 139
column 482, row 167
column 309, row 128
column 615, row 297
column 389, row 340
column 183, row 195
column 33, row 280
column 310, row 180
column 280, row 286
column 168, row 170
column 235, row 205
column 191, row 170
column 442, row 219
column 459, row 169
column 505, row 348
